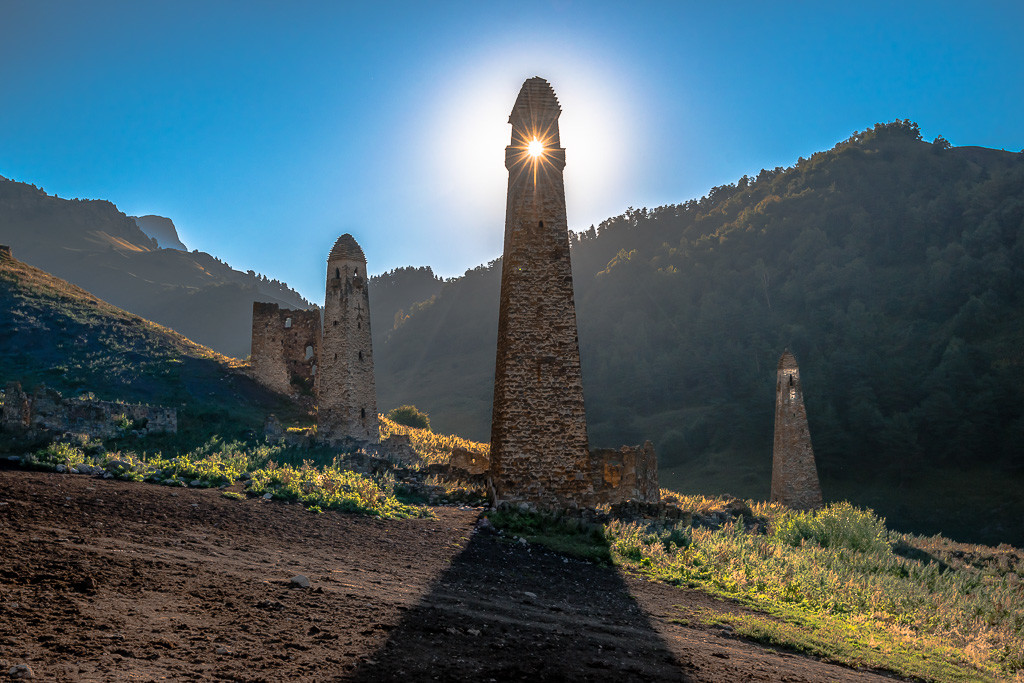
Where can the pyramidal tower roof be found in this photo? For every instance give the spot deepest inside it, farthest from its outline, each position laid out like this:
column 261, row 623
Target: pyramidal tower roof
column 787, row 362
column 537, row 96
column 346, row 249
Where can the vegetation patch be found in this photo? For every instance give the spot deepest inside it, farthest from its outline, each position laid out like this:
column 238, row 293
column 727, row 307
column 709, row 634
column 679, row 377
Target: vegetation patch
column 563, row 535
column 435, row 449
column 829, row 583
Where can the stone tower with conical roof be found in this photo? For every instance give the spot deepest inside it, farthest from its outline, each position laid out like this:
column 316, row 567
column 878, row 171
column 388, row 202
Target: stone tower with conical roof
column 539, row 449
column 794, row 475
column 346, row 393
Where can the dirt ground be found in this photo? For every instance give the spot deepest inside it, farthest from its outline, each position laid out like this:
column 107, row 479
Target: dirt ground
column 111, row 580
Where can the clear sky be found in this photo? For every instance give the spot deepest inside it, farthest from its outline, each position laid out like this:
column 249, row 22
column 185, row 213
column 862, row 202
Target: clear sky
column 266, row 129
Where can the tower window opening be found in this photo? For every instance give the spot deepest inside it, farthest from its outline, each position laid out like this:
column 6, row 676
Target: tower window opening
column 362, row 413
column 540, row 224
column 287, row 323
column 335, row 356
column 309, row 352
column 337, row 273
column 359, row 326
column 356, row 272
column 334, row 324
column 360, row 355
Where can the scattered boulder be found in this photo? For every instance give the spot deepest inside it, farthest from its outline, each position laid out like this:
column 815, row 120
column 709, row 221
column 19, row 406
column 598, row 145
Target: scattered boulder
column 300, row 581
column 21, row 671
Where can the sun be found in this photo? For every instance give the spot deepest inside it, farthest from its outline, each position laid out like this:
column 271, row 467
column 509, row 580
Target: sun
column 535, row 148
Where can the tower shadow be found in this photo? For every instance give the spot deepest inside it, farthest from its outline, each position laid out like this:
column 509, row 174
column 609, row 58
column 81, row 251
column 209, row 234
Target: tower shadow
column 505, row 611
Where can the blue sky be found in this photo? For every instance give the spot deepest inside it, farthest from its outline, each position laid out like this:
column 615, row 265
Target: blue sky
column 266, row 129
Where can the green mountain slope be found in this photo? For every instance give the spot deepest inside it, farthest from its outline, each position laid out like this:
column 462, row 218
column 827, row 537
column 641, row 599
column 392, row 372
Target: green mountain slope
column 58, row 334
column 893, row 268
column 92, row 244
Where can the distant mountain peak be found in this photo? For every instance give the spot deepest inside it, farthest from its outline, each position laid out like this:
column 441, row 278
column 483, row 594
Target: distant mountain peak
column 162, row 230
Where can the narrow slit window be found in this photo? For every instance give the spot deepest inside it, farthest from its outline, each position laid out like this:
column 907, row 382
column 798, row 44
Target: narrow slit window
column 362, row 413
column 287, row 323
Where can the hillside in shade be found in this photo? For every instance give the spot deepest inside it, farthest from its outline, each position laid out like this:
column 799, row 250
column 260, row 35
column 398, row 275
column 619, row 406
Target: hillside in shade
column 95, row 246
column 60, row 335
column 893, row 268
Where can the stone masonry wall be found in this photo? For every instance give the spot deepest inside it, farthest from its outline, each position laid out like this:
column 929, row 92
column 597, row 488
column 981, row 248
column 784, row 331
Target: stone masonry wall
column 284, row 349
column 465, row 459
column 346, row 393
column 629, row 473
column 539, row 448
column 794, row 474
column 45, row 410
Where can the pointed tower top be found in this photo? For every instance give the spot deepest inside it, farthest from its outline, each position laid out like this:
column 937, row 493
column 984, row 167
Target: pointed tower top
column 787, row 362
column 536, row 95
column 346, row 249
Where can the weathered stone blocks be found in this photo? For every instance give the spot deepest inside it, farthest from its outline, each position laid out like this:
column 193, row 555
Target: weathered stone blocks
column 629, row 473
column 284, row 349
column 46, row 411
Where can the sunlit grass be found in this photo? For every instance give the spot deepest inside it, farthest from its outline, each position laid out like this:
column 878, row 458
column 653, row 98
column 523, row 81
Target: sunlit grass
column 435, row 449
column 831, row 584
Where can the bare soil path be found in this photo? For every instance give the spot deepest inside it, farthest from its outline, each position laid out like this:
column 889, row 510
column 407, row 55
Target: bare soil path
column 113, row 581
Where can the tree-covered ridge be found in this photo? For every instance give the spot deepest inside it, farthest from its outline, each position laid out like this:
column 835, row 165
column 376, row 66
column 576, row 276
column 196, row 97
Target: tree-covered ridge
column 891, row 268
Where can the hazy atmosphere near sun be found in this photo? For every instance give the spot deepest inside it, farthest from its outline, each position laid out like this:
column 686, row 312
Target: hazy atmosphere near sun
column 264, row 130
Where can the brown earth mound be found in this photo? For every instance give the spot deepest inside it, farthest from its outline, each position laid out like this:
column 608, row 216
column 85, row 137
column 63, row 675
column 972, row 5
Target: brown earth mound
column 109, row 580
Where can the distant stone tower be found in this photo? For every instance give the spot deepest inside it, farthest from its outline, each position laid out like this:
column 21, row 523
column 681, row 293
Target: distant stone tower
column 347, row 396
column 794, row 475
column 539, row 450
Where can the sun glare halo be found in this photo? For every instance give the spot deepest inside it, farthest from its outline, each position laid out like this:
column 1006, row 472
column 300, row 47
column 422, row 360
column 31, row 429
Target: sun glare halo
column 535, row 148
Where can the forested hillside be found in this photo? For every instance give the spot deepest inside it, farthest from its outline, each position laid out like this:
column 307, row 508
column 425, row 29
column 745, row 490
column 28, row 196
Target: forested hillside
column 893, row 268
column 94, row 245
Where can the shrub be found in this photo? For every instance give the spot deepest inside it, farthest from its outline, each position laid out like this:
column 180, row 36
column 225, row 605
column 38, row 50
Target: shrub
column 409, row 416
column 840, row 525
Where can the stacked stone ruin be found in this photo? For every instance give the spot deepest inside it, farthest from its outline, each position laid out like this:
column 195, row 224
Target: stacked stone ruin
column 347, row 396
column 794, row 474
column 46, row 412
column 284, row 349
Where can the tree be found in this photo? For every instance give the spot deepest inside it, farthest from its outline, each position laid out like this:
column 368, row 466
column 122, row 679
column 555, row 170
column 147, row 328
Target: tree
column 409, row 416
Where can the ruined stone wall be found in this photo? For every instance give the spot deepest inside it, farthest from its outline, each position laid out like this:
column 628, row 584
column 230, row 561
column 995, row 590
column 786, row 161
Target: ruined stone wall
column 45, row 410
column 5, row 252
column 629, row 473
column 284, row 349
column 465, row 459
column 346, row 393
column 794, row 475
column 539, row 448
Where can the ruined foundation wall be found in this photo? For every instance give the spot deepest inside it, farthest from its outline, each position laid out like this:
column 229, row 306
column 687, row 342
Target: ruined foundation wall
column 473, row 463
column 346, row 392
column 539, row 448
column 45, row 410
column 629, row 473
column 794, row 474
column 284, row 349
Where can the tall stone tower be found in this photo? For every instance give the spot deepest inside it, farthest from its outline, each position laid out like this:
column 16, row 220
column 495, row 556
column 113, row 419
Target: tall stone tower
column 794, row 475
column 347, row 396
column 539, row 450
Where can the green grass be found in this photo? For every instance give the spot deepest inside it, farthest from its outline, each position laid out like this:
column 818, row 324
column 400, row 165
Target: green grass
column 265, row 469
column 829, row 583
column 562, row 535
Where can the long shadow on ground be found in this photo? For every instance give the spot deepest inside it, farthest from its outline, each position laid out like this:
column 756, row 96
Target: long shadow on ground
column 505, row 612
